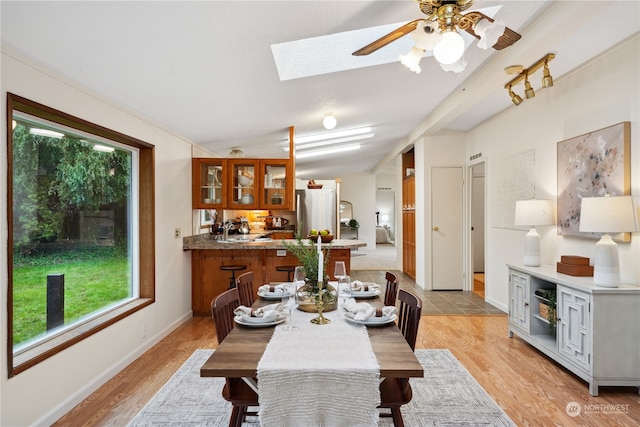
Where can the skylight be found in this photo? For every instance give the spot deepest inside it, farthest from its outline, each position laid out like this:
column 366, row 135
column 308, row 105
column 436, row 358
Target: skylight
column 331, row 53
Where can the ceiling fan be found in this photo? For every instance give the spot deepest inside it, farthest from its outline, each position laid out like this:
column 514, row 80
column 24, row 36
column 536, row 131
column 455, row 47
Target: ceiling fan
column 439, row 32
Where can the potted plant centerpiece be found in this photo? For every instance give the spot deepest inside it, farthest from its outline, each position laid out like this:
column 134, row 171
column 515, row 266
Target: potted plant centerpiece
column 312, row 293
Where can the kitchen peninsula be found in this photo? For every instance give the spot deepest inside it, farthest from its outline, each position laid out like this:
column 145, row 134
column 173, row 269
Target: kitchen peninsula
column 261, row 256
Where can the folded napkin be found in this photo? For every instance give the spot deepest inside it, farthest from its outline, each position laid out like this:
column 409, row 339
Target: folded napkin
column 271, row 288
column 357, row 285
column 268, row 313
column 363, row 310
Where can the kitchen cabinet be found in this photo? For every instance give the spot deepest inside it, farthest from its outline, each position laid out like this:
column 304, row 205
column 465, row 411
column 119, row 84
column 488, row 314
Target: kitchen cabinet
column 276, row 184
column 597, row 336
column 208, row 183
column 409, row 226
column 242, row 184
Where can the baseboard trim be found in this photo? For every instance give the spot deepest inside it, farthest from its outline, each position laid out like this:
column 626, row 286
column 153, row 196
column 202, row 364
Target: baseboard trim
column 72, row 401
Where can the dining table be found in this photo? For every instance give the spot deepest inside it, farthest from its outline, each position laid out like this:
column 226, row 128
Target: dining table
column 242, row 353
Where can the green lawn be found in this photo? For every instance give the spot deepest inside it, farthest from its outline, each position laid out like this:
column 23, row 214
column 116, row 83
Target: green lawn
column 93, row 279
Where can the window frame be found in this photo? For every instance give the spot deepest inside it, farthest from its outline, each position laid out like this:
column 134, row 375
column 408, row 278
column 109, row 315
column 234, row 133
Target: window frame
column 145, row 238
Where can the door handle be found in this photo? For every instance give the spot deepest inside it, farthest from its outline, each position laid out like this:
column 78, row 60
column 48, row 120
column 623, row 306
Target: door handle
column 436, row 228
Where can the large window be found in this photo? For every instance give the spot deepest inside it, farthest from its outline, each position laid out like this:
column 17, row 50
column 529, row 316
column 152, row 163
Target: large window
column 80, row 209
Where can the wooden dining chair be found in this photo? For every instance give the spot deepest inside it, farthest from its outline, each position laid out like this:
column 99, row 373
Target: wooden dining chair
column 235, row 390
column 395, row 392
column 391, row 291
column 244, row 284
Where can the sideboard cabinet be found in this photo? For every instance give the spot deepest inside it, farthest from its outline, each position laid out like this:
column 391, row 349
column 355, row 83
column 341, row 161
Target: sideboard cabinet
column 597, row 334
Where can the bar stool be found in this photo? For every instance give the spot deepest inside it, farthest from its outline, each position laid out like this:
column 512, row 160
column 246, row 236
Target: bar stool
column 288, row 268
column 233, row 269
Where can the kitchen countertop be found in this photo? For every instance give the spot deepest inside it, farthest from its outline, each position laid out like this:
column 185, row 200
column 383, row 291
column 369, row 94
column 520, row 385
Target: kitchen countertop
column 206, row 241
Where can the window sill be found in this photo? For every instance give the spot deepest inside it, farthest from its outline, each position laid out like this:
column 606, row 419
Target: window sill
column 39, row 352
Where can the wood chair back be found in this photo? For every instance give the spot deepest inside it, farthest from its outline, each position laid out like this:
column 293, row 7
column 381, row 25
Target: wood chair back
column 391, row 292
column 409, row 314
column 222, row 312
column 246, row 293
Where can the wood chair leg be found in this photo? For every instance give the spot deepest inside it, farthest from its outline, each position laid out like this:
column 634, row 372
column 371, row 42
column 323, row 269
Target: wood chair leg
column 236, row 419
column 397, row 417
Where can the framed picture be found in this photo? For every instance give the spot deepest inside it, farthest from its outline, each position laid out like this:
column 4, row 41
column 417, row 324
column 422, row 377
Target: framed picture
column 206, row 220
column 592, row 165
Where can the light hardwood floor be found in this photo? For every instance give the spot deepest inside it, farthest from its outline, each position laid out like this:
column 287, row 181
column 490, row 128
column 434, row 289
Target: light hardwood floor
column 532, row 390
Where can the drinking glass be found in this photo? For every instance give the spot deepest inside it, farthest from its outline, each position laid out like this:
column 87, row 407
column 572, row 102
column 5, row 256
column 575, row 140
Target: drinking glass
column 340, row 270
column 298, row 276
column 289, row 303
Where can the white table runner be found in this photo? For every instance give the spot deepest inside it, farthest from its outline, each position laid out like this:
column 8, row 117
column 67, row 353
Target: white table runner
column 319, row 375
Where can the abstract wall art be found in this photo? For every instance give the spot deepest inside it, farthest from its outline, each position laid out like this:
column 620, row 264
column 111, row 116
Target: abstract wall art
column 592, row 165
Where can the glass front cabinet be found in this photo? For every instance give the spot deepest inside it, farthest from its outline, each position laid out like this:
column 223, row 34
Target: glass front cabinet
column 243, row 180
column 208, row 184
column 276, row 184
column 242, row 184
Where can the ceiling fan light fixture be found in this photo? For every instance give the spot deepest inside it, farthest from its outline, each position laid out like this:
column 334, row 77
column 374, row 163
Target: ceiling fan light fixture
column 457, row 67
column 329, row 122
column 450, row 48
column 412, row 59
column 489, row 32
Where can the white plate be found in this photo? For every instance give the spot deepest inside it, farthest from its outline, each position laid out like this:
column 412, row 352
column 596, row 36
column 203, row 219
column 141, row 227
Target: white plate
column 241, row 321
column 363, row 294
column 372, row 321
column 271, row 296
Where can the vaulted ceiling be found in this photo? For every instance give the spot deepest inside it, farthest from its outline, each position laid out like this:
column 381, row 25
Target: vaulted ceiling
column 205, row 71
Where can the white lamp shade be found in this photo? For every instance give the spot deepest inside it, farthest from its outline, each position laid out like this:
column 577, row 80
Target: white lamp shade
column 450, row 48
column 534, row 212
column 412, row 59
column 607, row 215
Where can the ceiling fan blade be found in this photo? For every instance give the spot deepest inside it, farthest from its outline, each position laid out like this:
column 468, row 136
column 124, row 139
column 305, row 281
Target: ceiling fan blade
column 507, row 39
column 388, row 38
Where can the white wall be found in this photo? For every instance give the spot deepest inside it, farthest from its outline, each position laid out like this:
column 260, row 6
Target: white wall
column 603, row 93
column 46, row 391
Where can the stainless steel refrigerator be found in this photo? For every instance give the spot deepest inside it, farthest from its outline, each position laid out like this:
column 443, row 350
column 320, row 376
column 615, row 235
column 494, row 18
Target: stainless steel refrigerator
column 316, row 209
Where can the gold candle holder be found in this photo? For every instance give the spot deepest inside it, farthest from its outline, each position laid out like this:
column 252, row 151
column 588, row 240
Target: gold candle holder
column 320, row 319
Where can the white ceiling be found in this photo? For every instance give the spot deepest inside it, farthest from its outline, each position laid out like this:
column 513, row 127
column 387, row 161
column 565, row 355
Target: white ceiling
column 204, row 70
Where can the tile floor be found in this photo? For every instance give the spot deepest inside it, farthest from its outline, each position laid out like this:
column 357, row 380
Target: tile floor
column 433, row 302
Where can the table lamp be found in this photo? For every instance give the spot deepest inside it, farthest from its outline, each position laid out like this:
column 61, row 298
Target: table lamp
column 531, row 213
column 607, row 215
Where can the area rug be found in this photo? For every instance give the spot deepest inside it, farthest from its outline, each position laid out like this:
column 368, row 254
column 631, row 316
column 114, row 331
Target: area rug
column 447, row 396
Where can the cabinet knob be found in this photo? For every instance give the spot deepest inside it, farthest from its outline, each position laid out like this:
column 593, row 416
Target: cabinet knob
column 436, row 228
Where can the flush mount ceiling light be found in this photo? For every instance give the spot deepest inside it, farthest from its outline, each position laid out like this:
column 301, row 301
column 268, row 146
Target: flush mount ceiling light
column 236, row 152
column 332, row 135
column 329, row 122
column 440, row 33
column 333, row 141
column 523, row 74
column 334, row 150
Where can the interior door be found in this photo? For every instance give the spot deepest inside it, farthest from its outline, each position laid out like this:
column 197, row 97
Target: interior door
column 447, row 260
